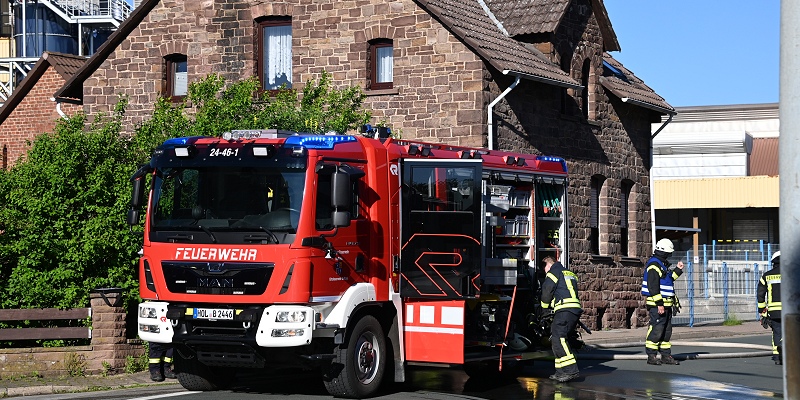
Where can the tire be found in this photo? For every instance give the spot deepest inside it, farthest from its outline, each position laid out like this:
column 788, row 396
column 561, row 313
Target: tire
column 360, row 363
column 196, row 376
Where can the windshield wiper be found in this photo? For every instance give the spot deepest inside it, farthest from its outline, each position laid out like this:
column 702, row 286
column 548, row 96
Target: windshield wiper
column 211, row 235
column 270, row 235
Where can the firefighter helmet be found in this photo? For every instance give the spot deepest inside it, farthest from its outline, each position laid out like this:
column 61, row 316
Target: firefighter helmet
column 665, row 245
column 776, row 258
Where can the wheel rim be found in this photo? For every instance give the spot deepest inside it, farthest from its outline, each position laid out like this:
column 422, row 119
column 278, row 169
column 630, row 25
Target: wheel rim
column 368, row 357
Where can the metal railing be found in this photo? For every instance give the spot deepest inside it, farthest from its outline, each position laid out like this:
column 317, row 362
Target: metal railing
column 720, row 282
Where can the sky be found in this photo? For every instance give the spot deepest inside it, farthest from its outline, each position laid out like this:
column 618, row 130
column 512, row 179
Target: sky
column 701, row 52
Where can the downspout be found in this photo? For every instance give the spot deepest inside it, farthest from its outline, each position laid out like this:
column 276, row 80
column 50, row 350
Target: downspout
column 652, row 183
column 490, row 110
column 58, row 108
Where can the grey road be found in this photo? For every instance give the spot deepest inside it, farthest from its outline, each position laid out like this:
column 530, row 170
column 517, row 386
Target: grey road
column 602, row 378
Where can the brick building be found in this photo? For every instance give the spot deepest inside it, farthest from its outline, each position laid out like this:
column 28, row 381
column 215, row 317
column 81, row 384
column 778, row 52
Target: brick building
column 31, row 109
column 533, row 76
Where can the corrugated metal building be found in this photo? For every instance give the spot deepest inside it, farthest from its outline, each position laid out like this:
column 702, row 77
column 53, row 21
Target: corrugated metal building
column 715, row 172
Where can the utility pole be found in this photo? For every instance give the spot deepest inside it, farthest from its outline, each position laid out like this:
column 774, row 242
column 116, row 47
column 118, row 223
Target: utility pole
column 789, row 214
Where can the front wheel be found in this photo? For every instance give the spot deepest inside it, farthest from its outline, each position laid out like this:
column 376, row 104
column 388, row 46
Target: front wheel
column 196, row 376
column 359, row 364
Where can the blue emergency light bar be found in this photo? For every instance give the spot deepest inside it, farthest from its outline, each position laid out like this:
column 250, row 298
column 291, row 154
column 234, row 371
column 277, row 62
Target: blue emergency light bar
column 181, row 141
column 554, row 159
column 325, row 142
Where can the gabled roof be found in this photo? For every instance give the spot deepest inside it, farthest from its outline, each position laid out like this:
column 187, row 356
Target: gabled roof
column 73, row 88
column 483, row 33
column 520, row 17
column 64, row 64
column 624, row 84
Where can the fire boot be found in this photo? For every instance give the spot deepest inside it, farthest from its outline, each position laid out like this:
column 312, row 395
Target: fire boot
column 669, row 360
column 168, row 372
column 155, row 374
column 652, row 359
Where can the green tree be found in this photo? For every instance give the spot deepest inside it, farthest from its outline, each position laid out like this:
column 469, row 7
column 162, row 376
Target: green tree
column 60, row 216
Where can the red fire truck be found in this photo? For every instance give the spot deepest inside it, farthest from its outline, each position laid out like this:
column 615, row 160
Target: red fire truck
column 356, row 255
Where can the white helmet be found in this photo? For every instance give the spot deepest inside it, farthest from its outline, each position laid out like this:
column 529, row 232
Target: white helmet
column 665, row 245
column 776, row 257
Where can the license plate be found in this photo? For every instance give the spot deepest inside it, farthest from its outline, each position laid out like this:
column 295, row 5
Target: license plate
column 213, row 313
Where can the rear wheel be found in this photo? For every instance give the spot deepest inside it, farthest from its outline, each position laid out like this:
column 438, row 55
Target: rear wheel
column 360, row 363
column 196, row 376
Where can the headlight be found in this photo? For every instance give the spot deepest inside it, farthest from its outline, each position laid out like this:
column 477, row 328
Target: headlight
column 290, row 316
column 148, row 312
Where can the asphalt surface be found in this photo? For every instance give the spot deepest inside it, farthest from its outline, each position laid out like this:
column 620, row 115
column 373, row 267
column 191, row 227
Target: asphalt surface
column 28, row 386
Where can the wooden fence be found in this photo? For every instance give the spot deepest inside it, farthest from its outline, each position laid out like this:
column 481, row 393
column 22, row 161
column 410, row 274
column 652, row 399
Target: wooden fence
column 45, row 314
column 108, row 350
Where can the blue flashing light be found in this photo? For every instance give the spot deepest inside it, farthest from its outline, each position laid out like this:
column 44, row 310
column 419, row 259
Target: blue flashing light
column 319, row 141
column 554, row 159
column 181, row 141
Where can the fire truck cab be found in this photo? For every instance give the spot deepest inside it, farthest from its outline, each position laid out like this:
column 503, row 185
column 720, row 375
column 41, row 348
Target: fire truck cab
column 359, row 256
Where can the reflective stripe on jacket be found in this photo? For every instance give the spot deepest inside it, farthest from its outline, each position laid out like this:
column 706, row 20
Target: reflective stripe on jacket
column 769, row 293
column 560, row 290
column 664, row 294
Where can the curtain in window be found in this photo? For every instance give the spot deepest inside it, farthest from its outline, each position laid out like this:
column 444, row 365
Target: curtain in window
column 385, row 60
column 181, row 79
column 277, row 57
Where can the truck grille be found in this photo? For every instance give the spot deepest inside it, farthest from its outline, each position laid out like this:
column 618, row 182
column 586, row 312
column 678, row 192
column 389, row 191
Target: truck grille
column 224, row 278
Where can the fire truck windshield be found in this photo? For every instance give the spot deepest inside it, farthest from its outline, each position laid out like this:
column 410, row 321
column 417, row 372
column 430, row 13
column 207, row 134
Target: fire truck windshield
column 228, row 199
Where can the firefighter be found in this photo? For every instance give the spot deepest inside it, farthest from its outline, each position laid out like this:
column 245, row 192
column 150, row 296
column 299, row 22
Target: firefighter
column 769, row 305
column 658, row 288
column 560, row 293
column 160, row 363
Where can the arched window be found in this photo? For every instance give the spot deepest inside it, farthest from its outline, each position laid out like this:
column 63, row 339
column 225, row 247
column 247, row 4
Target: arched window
column 626, row 206
column 585, row 74
column 381, row 64
column 594, row 212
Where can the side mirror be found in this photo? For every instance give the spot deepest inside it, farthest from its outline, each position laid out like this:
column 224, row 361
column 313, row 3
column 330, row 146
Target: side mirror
column 340, row 218
column 133, row 217
column 137, row 196
column 341, row 191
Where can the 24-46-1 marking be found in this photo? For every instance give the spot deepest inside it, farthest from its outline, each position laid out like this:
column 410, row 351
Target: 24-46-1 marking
column 228, row 152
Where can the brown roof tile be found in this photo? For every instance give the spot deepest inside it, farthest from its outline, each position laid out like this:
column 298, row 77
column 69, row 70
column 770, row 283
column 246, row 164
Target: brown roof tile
column 529, row 16
column 764, row 157
column 520, row 17
column 65, row 64
column 622, row 83
column 469, row 21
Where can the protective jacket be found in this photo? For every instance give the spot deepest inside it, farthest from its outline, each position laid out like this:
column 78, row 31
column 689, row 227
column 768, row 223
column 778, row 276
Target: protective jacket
column 658, row 283
column 560, row 290
column 769, row 293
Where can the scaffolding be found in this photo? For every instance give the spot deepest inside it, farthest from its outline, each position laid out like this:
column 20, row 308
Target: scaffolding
column 81, row 26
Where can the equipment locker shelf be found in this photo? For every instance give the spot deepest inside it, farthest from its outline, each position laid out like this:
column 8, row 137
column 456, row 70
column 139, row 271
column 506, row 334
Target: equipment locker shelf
column 549, row 219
